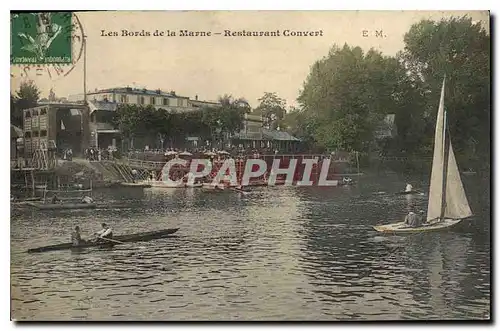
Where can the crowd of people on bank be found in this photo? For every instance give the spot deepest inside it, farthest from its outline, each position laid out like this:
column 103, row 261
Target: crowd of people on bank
column 99, row 154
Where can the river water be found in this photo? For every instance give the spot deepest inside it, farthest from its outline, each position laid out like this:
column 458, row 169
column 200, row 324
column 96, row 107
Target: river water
column 280, row 253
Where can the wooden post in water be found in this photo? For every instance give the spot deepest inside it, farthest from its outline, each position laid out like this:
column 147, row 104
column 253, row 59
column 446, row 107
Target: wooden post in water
column 357, row 160
column 33, row 182
column 26, row 180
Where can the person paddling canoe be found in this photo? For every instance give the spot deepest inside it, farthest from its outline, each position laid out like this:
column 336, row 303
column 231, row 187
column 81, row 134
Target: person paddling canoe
column 105, row 233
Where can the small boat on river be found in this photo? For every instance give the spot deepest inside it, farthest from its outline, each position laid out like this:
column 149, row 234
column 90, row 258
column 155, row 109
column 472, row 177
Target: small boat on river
column 448, row 203
column 138, row 184
column 409, row 192
column 61, row 206
column 144, row 236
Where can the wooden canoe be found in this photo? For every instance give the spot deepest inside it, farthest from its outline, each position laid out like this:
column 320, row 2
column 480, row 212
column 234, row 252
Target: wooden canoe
column 144, row 236
column 60, row 206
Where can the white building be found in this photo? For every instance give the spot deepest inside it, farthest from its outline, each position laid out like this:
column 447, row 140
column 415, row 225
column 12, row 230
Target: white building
column 144, row 97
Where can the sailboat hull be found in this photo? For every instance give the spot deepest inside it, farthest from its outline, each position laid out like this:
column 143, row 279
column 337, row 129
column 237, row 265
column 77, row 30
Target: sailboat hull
column 401, row 228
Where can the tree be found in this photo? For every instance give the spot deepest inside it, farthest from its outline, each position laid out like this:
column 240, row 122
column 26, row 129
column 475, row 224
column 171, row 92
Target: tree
column 126, row 119
column 26, row 97
column 154, row 126
column 272, row 108
column 226, row 119
column 297, row 123
column 346, row 96
column 459, row 48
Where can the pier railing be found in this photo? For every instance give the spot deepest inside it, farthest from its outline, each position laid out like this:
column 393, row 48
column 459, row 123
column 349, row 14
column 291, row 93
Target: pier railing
column 157, row 165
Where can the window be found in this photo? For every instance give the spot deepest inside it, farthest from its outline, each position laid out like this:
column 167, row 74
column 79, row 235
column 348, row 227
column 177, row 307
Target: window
column 165, row 101
column 27, row 114
column 43, row 111
column 141, row 100
column 43, row 133
column 27, row 134
column 123, row 98
column 35, row 112
column 35, row 134
column 152, row 100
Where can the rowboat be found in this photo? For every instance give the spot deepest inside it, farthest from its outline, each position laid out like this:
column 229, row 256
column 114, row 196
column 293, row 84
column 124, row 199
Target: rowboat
column 209, row 187
column 60, row 206
column 447, row 205
column 144, row 236
column 162, row 184
column 188, row 185
column 408, row 192
column 141, row 185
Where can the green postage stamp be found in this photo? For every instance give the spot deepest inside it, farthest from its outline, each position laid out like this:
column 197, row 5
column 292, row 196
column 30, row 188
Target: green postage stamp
column 41, row 38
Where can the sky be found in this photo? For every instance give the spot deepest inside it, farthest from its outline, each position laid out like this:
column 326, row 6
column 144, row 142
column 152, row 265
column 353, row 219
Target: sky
column 216, row 65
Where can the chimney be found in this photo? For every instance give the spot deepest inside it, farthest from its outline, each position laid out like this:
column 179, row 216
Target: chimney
column 196, row 97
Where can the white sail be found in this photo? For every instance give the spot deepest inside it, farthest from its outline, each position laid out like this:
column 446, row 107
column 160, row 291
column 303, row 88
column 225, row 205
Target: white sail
column 456, row 205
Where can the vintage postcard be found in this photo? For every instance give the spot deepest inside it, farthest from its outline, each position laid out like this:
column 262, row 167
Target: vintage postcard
column 250, row 165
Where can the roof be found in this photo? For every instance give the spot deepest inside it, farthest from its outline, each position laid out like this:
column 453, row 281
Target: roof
column 102, row 105
column 253, row 118
column 132, row 90
column 277, row 135
column 58, row 105
column 265, row 134
column 247, row 135
column 203, row 103
column 101, row 126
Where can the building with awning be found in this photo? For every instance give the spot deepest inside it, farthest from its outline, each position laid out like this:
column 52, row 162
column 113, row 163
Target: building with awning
column 55, row 126
column 102, row 131
column 255, row 135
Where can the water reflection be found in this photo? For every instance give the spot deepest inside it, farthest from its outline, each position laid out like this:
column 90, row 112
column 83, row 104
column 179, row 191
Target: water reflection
column 276, row 253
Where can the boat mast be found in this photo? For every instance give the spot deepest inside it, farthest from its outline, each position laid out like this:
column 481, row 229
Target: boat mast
column 446, row 152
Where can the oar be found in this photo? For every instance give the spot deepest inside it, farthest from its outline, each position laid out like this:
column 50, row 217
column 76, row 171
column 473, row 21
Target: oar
column 112, row 240
column 120, row 242
column 239, row 191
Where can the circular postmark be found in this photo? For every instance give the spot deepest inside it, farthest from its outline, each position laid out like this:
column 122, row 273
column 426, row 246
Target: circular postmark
column 67, row 38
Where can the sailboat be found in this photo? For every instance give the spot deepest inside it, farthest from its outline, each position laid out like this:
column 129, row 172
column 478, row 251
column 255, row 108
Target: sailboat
column 448, row 203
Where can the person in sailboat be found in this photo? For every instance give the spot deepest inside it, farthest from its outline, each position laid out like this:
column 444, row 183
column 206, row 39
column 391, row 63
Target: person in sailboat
column 409, row 188
column 105, row 233
column 413, row 219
